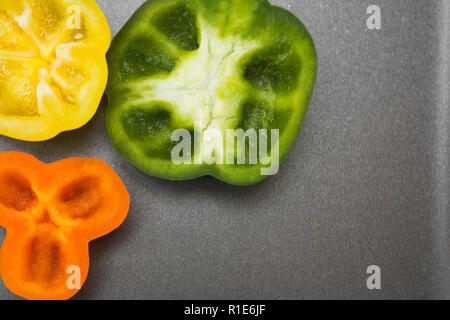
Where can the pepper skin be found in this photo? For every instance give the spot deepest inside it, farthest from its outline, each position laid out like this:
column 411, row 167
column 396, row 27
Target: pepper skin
column 51, row 212
column 53, row 69
column 227, row 64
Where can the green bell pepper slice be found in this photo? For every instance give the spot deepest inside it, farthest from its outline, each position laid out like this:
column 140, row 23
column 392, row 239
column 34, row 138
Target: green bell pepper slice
column 205, row 65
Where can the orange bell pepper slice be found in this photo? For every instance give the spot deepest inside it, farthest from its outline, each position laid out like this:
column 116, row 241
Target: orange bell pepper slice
column 51, row 212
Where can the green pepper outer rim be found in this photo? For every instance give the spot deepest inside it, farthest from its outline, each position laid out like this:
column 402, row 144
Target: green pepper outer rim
column 231, row 174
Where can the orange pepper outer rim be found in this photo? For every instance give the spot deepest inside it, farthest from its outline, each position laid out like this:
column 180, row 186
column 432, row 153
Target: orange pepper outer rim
column 51, row 212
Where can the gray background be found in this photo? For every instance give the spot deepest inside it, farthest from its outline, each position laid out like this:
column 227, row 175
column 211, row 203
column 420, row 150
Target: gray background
column 367, row 182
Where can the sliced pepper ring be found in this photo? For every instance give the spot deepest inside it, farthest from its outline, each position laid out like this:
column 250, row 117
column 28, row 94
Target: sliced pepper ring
column 53, row 69
column 51, row 212
column 227, row 64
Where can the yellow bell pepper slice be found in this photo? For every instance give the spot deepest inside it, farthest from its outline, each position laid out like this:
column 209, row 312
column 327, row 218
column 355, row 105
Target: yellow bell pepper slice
column 53, row 69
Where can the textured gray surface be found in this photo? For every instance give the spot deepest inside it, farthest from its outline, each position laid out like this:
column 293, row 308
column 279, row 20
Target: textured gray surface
column 367, row 182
